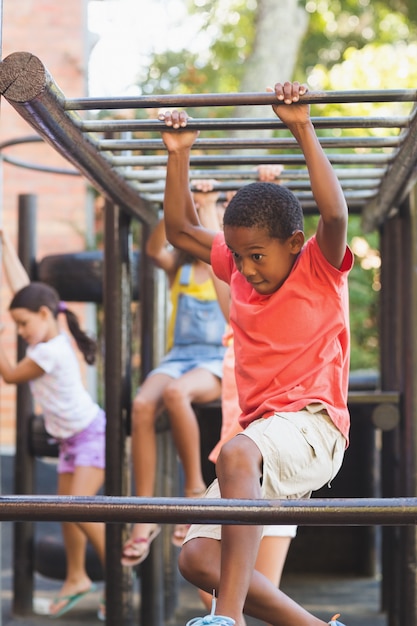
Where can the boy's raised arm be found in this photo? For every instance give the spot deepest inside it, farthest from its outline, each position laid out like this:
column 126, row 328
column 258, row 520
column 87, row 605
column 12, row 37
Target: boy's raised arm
column 327, row 191
column 182, row 225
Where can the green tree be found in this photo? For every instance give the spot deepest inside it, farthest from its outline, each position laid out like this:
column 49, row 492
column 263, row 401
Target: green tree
column 338, row 26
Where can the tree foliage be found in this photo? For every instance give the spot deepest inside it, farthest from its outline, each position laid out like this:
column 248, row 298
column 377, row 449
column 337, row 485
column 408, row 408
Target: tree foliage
column 338, row 26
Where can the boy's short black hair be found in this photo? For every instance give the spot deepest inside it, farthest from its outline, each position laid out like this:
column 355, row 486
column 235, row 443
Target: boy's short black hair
column 265, row 205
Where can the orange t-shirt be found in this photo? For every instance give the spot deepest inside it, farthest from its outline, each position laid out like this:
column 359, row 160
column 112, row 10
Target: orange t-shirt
column 291, row 346
column 230, row 399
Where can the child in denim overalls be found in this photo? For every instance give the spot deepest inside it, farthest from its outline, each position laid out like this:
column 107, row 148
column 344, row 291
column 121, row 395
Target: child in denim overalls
column 190, row 372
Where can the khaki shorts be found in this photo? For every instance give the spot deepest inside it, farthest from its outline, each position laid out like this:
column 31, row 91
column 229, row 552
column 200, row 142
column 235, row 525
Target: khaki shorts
column 301, row 451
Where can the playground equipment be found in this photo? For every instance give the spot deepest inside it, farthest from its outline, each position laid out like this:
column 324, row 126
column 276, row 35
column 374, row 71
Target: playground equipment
column 378, row 174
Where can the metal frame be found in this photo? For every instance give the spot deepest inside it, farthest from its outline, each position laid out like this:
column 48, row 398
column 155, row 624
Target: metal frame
column 124, row 160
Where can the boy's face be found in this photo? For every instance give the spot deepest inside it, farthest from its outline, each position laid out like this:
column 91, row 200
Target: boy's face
column 264, row 261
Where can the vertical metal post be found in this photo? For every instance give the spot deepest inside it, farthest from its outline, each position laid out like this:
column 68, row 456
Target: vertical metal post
column 117, row 299
column 390, row 371
column 398, row 372
column 409, row 437
column 24, row 475
column 152, row 569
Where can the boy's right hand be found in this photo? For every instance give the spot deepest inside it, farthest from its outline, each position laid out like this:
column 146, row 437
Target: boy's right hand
column 176, row 140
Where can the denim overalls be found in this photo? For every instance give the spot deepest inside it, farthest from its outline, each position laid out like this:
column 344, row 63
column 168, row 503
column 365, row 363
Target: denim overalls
column 197, row 321
column 198, row 330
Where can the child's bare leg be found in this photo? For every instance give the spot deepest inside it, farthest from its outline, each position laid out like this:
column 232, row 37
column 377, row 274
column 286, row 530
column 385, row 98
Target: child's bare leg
column 75, row 540
column 229, row 565
column 264, row 601
column 75, row 543
column 239, row 473
column 146, row 407
column 197, row 385
column 271, row 557
column 270, row 562
column 87, row 481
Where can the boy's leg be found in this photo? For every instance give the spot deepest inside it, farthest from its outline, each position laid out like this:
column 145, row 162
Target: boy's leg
column 264, row 600
column 239, row 473
column 270, row 562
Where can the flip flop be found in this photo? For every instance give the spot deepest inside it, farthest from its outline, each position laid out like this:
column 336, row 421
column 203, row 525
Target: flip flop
column 141, row 546
column 72, row 600
column 101, row 613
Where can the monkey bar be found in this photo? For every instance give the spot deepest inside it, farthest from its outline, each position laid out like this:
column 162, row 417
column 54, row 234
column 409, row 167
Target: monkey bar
column 320, row 511
column 94, row 145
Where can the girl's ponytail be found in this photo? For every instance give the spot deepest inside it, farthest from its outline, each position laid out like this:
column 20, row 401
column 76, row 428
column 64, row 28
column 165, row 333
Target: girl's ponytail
column 86, row 344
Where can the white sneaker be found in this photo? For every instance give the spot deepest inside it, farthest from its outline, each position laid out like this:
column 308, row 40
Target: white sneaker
column 215, row 620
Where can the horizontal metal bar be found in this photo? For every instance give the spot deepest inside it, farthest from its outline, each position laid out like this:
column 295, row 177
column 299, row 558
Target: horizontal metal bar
column 159, row 187
column 315, row 511
column 306, row 198
column 237, row 99
column 258, row 144
column 355, row 199
column 309, row 206
column 236, row 174
column 247, row 159
column 104, row 126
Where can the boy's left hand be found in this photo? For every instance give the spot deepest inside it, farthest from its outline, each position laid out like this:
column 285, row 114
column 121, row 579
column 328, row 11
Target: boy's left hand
column 289, row 94
column 178, row 140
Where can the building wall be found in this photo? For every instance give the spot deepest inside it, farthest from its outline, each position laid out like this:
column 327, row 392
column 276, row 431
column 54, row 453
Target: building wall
column 56, row 35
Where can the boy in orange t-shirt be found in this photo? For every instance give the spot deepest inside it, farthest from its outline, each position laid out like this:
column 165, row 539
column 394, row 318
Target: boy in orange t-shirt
column 289, row 314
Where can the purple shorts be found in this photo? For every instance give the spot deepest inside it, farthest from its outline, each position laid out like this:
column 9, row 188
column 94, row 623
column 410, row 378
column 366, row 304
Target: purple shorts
column 87, row 448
